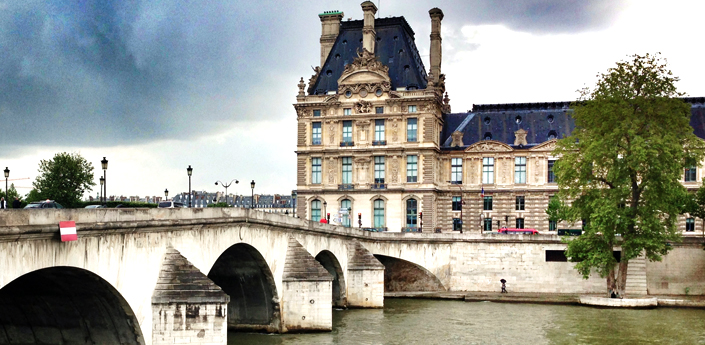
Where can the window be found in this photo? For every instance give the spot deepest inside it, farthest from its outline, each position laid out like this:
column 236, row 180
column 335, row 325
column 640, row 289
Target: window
column 315, row 170
column 551, row 176
column 520, row 170
column 411, row 129
column 488, row 170
column 379, row 130
column 556, row 256
column 379, row 213
column 412, row 108
column 346, row 205
column 520, row 203
column 456, row 170
column 411, row 213
column 412, row 168
column 315, row 210
column 690, row 173
column 347, row 131
column 690, row 224
column 316, row 133
column 347, row 111
column 457, row 203
column 317, row 113
column 457, row 224
column 347, row 170
column 487, row 203
column 379, row 169
column 487, row 224
column 520, row 223
column 552, row 225
column 379, row 110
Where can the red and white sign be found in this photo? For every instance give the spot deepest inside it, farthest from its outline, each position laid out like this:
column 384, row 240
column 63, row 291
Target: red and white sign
column 68, row 231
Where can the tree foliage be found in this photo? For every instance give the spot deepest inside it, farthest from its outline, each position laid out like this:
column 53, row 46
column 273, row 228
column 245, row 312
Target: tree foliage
column 64, row 178
column 11, row 194
column 620, row 169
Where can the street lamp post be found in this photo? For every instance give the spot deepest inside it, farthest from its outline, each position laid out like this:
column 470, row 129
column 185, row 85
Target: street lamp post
column 252, row 185
column 7, row 174
column 293, row 201
column 226, row 187
column 189, row 171
column 102, row 183
column 104, row 165
column 325, row 210
column 166, row 194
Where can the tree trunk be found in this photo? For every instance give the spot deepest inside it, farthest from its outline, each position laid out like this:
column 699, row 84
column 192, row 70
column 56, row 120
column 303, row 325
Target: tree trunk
column 611, row 283
column 622, row 277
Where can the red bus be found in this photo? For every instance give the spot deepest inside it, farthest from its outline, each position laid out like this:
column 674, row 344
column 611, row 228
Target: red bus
column 518, row 231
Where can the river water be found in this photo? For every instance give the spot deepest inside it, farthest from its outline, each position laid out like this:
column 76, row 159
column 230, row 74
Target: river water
column 428, row 322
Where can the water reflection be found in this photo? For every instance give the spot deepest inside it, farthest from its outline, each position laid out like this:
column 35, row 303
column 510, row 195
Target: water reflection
column 405, row 321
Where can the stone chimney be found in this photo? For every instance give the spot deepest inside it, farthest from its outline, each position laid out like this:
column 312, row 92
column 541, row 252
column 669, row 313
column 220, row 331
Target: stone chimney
column 368, row 27
column 330, row 28
column 436, row 55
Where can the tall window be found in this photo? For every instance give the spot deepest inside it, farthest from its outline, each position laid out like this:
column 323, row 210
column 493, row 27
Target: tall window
column 315, row 170
column 552, row 225
column 690, row 173
column 315, row 210
column 379, row 110
column 551, row 176
column 379, row 130
column 412, row 168
column 487, row 224
column 411, row 129
column 411, row 213
column 412, row 108
column 347, row 170
column 457, row 203
column 345, row 205
column 487, row 170
column 457, row 224
column 456, row 170
column 690, row 224
column 520, row 203
column 379, row 169
column 520, row 170
column 317, row 112
column 347, row 111
column 347, row 131
column 487, row 203
column 520, row 223
column 379, row 213
column 316, row 133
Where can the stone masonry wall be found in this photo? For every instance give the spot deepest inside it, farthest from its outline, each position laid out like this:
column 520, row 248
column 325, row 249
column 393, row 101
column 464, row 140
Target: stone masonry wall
column 366, row 288
column 307, row 306
column 186, row 323
column 683, row 267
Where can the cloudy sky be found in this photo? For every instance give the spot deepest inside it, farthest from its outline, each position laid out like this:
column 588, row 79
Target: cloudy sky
column 156, row 86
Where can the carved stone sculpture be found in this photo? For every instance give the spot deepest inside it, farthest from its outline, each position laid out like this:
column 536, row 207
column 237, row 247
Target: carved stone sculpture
column 394, row 170
column 363, row 107
column 457, row 139
column 520, row 137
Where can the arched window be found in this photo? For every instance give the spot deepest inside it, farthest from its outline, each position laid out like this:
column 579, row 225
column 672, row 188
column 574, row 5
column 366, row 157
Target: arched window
column 379, row 213
column 316, row 210
column 411, row 213
column 345, row 205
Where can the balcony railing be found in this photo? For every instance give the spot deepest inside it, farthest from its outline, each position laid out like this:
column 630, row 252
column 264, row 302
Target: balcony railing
column 380, row 229
column 347, row 143
column 379, row 186
column 411, row 229
column 346, row 186
column 379, row 142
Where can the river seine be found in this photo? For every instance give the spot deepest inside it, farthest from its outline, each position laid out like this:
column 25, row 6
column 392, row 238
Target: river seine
column 427, row 322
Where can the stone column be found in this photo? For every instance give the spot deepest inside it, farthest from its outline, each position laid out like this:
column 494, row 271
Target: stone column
column 368, row 29
column 436, row 55
column 365, row 278
column 307, row 296
column 187, row 307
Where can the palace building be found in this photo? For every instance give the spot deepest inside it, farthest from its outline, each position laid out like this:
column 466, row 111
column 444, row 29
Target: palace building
column 378, row 145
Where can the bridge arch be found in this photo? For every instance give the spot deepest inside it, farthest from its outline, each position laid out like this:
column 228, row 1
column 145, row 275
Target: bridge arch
column 242, row 272
column 328, row 260
column 63, row 304
column 402, row 275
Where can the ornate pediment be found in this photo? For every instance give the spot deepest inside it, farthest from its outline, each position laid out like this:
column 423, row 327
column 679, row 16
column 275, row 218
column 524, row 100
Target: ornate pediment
column 365, row 68
column 545, row 146
column 489, row 146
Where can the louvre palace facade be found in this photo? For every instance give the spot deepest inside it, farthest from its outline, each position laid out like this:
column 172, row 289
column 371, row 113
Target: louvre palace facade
column 378, row 145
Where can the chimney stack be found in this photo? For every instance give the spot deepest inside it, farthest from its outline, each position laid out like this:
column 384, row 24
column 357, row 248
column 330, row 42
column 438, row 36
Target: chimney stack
column 368, row 27
column 436, row 55
column 330, row 28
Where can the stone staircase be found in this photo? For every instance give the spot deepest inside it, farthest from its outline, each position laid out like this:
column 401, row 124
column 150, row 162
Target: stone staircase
column 636, row 277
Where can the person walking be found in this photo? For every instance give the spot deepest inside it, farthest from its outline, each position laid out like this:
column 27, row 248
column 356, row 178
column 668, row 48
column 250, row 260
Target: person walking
column 16, row 203
column 3, row 203
column 504, row 285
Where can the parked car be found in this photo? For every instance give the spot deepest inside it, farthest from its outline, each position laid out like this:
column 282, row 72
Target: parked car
column 44, row 204
column 95, row 206
column 170, row 204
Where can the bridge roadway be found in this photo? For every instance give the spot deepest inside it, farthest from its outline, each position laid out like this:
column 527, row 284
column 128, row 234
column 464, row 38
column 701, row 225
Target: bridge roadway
column 154, row 276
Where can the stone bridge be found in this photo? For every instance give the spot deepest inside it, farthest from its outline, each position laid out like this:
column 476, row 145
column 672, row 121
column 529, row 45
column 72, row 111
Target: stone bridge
column 154, row 276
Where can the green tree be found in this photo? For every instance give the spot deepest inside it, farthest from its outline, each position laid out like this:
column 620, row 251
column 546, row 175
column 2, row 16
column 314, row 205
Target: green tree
column 620, row 169
column 11, row 194
column 65, row 178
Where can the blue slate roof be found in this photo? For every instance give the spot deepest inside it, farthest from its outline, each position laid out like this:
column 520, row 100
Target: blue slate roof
column 395, row 48
column 541, row 121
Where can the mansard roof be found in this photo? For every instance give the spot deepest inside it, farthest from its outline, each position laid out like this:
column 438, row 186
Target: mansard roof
column 542, row 121
column 395, row 48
